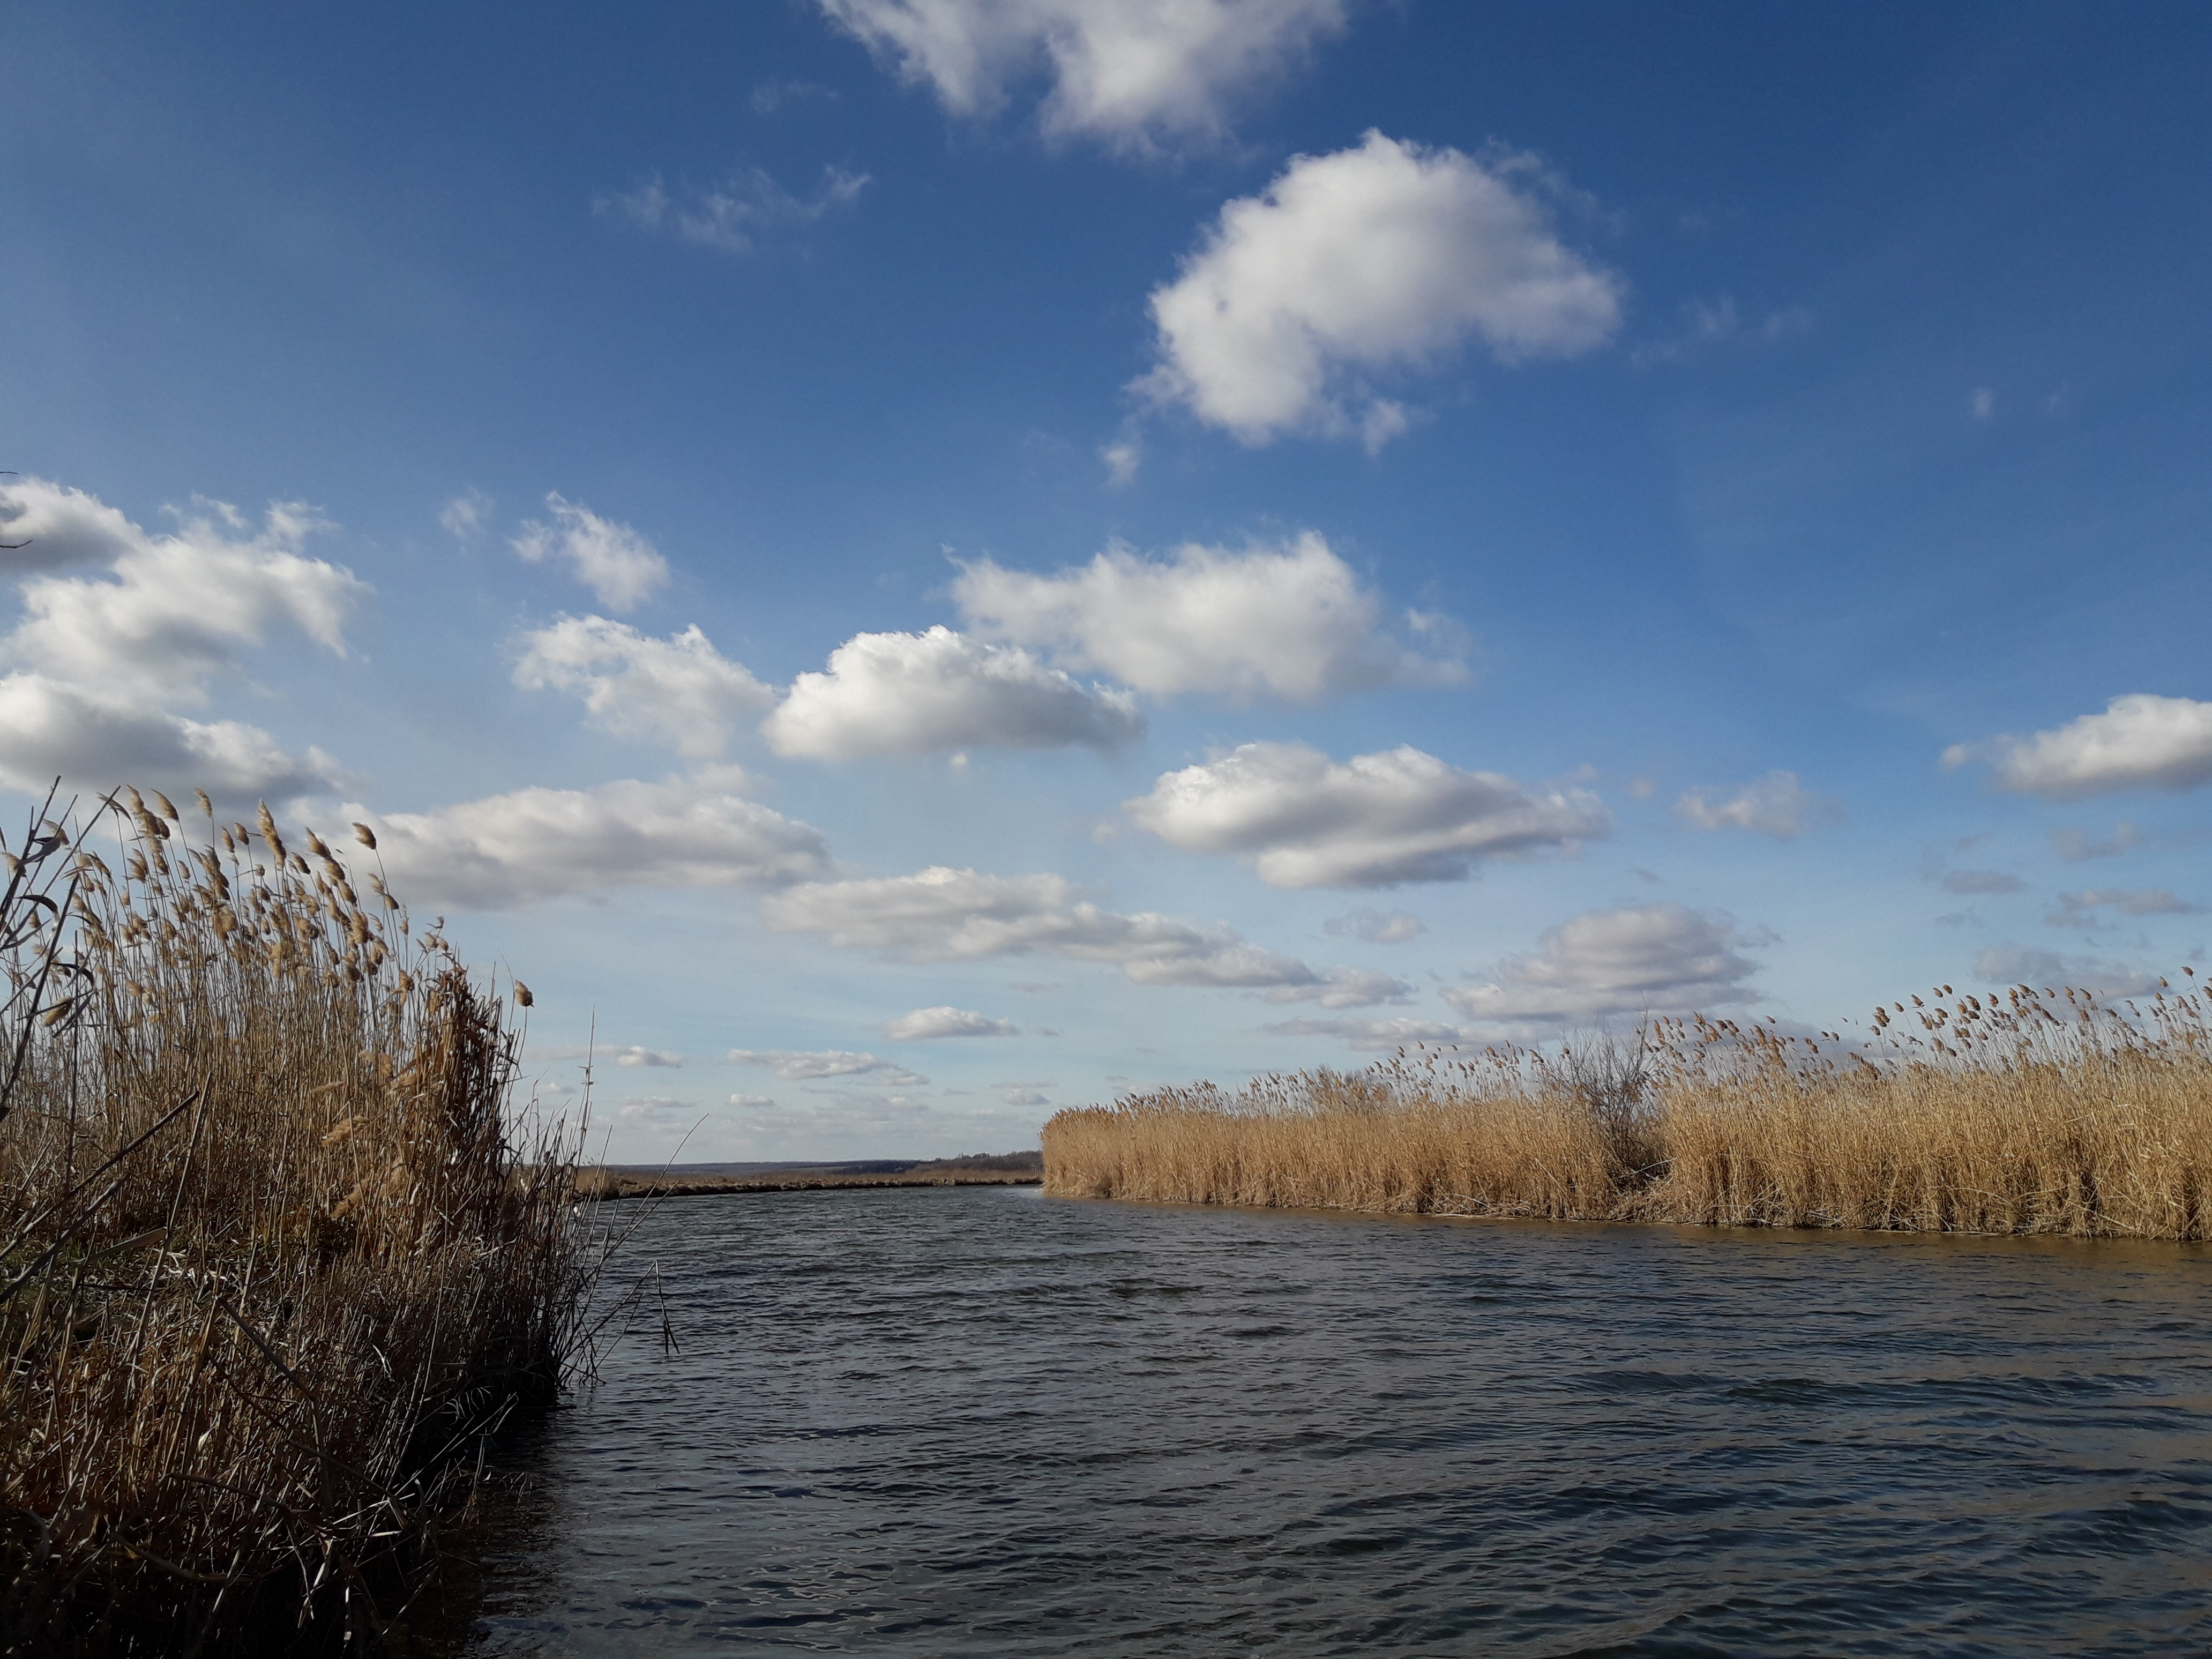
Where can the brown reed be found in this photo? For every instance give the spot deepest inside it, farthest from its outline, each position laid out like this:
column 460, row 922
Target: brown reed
column 2034, row 1111
column 274, row 1250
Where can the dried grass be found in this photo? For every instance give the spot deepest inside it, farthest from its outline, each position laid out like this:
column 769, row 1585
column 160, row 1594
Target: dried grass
column 273, row 1251
column 2038, row 1112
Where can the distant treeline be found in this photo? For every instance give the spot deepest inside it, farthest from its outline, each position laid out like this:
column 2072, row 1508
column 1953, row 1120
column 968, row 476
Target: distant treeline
column 2032, row 1111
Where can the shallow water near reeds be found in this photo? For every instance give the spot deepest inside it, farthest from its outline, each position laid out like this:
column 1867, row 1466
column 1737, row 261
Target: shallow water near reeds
column 979, row 1421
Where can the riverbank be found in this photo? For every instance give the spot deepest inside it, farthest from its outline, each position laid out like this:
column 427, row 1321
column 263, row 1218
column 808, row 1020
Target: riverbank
column 616, row 1183
column 2041, row 1111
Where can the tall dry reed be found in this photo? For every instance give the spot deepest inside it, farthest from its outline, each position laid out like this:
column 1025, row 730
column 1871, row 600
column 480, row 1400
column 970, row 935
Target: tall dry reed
column 2035, row 1111
column 274, row 1248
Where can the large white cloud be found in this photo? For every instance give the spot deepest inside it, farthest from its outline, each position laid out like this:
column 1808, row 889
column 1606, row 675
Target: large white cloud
column 679, row 691
column 1647, row 958
column 1777, row 805
column 905, row 694
column 507, row 850
column 1285, row 621
column 1366, row 264
column 173, row 612
column 941, row 915
column 617, row 563
column 1133, row 73
column 1373, row 821
column 2139, row 742
column 50, row 729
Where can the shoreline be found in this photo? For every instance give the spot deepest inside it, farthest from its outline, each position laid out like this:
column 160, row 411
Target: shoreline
column 615, row 1188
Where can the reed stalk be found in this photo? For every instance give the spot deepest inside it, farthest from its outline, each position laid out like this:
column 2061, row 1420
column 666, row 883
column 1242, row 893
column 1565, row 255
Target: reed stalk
column 277, row 1248
column 2035, row 1111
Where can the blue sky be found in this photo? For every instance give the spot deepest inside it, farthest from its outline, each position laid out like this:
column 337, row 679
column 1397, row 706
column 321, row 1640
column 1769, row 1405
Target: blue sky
column 907, row 564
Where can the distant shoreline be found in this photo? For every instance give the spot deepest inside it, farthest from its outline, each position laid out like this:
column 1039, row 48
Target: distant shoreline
column 615, row 1184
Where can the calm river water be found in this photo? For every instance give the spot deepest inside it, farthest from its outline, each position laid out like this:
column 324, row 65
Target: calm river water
column 978, row 1421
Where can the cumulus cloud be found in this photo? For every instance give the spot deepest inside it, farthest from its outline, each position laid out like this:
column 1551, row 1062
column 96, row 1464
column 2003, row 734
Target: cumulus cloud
column 1777, row 805
column 795, row 1065
column 1136, row 76
column 2085, row 908
column 1368, row 262
column 1289, row 621
column 1345, row 987
column 1373, row 821
column 1659, row 958
column 941, row 915
column 1371, row 1034
column 731, row 214
column 905, row 693
column 1375, row 926
column 2026, row 964
column 2139, row 742
column 619, row 565
column 636, row 1054
column 48, row 729
column 530, row 844
column 947, row 1022
column 679, row 691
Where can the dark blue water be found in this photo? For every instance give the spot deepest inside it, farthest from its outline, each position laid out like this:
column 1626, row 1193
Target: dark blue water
column 978, row 1421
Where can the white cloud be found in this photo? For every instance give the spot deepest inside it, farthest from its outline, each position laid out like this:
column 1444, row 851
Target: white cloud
column 1287, row 621
column 173, row 612
column 2080, row 909
column 1710, row 323
column 1777, row 805
column 753, row 1103
column 2139, row 742
column 731, row 215
column 2024, row 964
column 679, row 691
column 1371, row 1034
column 530, row 844
column 941, row 915
column 1375, row 926
column 947, row 1022
column 1133, row 75
column 1346, row 987
column 1122, row 457
column 464, row 517
column 50, row 729
column 1373, row 821
column 620, row 566
column 905, row 693
column 637, row 1055
column 1370, row 261
column 794, row 1066
column 1657, row 958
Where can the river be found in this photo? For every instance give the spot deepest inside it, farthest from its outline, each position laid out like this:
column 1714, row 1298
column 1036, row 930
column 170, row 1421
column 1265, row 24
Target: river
column 980, row 1421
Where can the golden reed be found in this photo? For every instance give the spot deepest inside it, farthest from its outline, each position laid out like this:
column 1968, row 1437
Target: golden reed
column 273, row 1251
column 2036, row 1111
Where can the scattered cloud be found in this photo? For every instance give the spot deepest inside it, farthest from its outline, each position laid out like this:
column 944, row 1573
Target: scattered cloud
column 2083, row 909
column 1777, row 805
column 2077, row 846
column 1289, row 620
column 1020, row 1096
column 656, row 1110
column 464, row 517
column 772, row 97
column 1655, row 958
column 1122, row 457
column 947, row 1022
column 2139, row 742
column 1138, row 78
column 1370, row 1034
column 637, row 1055
column 679, row 691
column 1374, row 821
column 941, row 915
column 733, row 214
column 1375, row 926
column 906, row 694
column 617, row 563
column 530, row 844
column 1981, row 882
column 1707, row 324
column 1370, row 261
column 2027, row 965
column 1983, row 403
column 753, row 1103
column 1345, row 987
column 795, row 1065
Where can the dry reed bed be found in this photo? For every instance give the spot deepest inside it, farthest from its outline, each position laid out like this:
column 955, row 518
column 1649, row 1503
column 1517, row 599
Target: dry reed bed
column 272, row 1248
column 2037, row 1111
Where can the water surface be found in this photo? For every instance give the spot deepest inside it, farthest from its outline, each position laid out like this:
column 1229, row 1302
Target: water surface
column 978, row 1421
